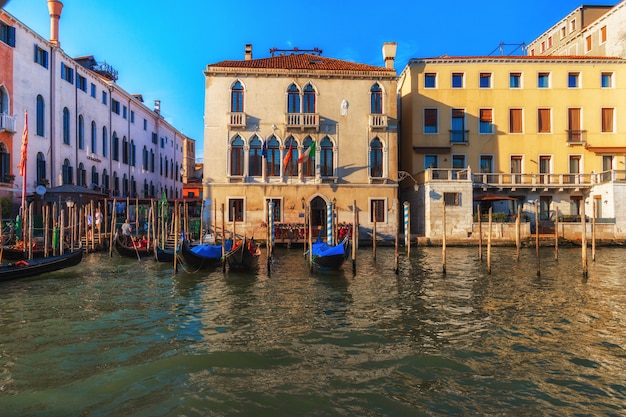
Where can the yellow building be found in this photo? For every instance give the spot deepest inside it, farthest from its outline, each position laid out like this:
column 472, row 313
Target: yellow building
column 262, row 115
column 533, row 129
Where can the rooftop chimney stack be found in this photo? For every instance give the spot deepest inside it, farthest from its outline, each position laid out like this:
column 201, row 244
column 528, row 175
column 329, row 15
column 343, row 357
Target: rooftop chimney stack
column 157, row 106
column 389, row 54
column 55, row 7
column 248, row 51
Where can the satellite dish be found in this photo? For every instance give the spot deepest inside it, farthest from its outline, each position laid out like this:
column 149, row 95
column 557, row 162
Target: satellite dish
column 41, row 190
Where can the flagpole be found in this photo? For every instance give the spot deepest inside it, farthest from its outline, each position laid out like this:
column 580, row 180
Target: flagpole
column 22, row 166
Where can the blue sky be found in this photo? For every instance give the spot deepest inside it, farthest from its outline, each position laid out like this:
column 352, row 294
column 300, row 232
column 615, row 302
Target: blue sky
column 160, row 48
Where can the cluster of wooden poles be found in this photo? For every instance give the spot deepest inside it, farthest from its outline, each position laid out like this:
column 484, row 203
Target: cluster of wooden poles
column 585, row 268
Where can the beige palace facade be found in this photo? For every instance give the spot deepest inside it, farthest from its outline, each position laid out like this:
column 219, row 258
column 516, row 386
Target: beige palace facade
column 530, row 130
column 262, row 115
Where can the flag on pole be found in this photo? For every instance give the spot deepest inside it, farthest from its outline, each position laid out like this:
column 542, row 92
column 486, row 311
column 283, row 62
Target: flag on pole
column 288, row 156
column 307, row 154
column 22, row 165
column 264, row 149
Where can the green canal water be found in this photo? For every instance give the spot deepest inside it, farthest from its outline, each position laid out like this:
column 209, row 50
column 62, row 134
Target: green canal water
column 118, row 337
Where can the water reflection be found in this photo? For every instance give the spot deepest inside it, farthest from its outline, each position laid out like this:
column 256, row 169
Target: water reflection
column 119, row 336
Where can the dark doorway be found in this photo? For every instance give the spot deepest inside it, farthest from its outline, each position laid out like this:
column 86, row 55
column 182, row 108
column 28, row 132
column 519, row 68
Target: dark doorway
column 318, row 216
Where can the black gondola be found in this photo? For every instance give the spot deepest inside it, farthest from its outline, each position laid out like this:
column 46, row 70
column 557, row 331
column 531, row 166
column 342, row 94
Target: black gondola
column 244, row 255
column 329, row 257
column 12, row 253
column 163, row 255
column 126, row 251
column 201, row 256
column 33, row 267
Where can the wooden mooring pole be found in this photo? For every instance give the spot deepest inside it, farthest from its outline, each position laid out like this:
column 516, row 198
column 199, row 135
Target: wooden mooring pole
column 583, row 238
column 556, row 235
column 480, row 235
column 537, row 237
column 355, row 228
column 518, row 233
column 443, row 242
column 593, row 230
column 489, row 243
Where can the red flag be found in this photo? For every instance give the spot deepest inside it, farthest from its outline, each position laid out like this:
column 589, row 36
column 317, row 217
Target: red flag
column 22, row 165
column 287, row 157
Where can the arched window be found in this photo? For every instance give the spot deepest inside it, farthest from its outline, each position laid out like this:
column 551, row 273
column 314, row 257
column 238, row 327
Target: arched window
column 273, row 156
column 376, row 158
column 255, row 157
column 144, row 158
column 133, row 186
column 146, row 190
column 41, row 167
column 308, row 164
column 124, row 186
column 167, row 168
column 67, row 172
column 309, row 99
column 124, row 150
column 105, row 181
column 41, row 116
column 151, row 160
column 66, row 126
column 291, row 162
column 172, row 169
column 105, row 142
column 81, row 132
column 94, row 137
column 326, row 157
column 4, row 101
column 5, row 163
column 116, row 147
column 116, row 184
column 293, row 99
column 94, row 176
column 376, row 99
column 133, row 153
column 236, row 156
column 80, row 175
column 236, row 98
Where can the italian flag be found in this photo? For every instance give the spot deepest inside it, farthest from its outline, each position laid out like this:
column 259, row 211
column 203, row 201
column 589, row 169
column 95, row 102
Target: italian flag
column 307, row 154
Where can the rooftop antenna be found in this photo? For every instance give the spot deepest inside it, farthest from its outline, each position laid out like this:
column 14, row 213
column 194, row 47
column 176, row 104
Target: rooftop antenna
column 501, row 46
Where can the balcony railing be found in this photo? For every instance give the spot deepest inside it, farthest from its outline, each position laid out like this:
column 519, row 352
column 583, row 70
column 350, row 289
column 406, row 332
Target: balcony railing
column 302, row 120
column 459, row 136
column 237, row 119
column 378, row 121
column 575, row 137
column 7, row 123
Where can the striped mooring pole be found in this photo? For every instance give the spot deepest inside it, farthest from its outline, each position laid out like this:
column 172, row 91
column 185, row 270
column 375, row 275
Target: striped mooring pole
column 329, row 222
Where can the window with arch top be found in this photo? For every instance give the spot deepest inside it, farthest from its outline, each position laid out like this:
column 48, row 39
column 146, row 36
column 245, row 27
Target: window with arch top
column 273, row 156
column 326, row 157
column 236, row 98
column 376, row 99
column 293, row 99
column 236, row 156
column 376, row 158
column 309, row 99
column 255, row 157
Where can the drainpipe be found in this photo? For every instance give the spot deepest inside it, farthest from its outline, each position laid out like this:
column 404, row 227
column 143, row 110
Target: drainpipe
column 53, row 74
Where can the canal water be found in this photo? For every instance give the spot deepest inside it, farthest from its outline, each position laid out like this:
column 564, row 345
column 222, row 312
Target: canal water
column 119, row 337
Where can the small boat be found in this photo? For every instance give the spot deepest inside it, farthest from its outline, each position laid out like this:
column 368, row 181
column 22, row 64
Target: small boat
column 244, row 255
column 163, row 255
column 329, row 257
column 15, row 253
column 132, row 251
column 200, row 256
column 33, row 267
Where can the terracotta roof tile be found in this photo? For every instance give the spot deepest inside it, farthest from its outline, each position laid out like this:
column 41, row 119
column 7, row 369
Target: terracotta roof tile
column 306, row 62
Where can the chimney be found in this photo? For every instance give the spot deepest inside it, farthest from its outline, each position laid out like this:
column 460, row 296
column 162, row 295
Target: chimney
column 248, row 51
column 157, row 106
column 389, row 54
column 54, row 7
